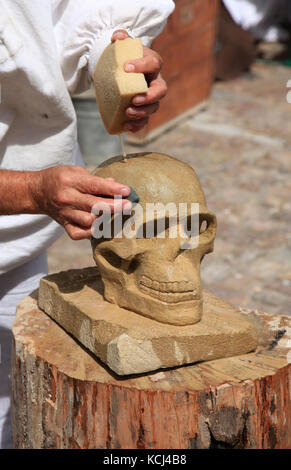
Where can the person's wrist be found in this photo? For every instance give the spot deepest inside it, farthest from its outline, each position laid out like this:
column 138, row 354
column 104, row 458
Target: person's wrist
column 34, row 182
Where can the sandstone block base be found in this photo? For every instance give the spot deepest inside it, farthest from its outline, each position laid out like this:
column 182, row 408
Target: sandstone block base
column 129, row 343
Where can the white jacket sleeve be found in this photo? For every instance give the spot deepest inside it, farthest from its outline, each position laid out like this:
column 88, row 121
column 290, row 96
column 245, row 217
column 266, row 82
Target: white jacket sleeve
column 83, row 28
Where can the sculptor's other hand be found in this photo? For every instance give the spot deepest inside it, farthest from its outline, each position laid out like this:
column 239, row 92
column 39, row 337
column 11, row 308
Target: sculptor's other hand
column 144, row 105
column 69, row 193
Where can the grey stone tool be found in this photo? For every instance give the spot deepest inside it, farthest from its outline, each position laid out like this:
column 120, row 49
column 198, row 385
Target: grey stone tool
column 133, row 197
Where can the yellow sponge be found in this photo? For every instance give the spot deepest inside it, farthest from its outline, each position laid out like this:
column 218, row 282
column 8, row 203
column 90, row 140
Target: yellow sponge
column 114, row 87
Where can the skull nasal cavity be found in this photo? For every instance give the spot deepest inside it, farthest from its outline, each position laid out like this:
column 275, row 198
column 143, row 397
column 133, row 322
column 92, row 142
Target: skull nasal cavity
column 132, row 266
column 112, row 259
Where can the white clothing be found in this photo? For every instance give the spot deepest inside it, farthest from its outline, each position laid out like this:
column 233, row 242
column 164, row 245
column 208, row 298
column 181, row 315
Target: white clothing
column 261, row 17
column 14, row 285
column 48, row 50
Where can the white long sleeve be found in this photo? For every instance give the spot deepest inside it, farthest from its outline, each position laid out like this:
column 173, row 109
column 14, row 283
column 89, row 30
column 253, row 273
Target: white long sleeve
column 48, row 49
column 262, row 18
column 84, row 28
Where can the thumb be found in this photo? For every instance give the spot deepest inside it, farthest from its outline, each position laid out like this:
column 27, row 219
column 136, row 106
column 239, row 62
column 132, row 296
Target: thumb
column 119, row 34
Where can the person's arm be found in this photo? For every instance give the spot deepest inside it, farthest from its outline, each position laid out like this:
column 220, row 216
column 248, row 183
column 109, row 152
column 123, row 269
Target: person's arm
column 15, row 195
column 65, row 193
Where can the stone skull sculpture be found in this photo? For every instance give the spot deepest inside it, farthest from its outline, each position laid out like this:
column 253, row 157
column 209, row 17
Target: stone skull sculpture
column 156, row 277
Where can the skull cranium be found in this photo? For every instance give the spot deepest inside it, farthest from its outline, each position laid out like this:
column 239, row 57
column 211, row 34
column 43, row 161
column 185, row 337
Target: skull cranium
column 156, row 277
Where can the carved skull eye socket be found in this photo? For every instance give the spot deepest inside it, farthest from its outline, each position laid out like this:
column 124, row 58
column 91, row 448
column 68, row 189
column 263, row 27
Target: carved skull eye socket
column 115, row 261
column 207, row 222
column 130, row 266
column 155, row 228
column 190, row 225
column 158, row 227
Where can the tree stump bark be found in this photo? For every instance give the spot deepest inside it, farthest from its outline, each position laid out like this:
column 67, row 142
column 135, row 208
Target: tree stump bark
column 63, row 398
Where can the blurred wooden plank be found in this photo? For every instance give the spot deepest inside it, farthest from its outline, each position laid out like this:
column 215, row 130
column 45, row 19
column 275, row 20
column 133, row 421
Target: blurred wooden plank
column 187, row 48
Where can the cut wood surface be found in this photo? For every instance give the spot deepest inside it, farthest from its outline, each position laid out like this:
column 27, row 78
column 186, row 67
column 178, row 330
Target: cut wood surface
column 63, row 398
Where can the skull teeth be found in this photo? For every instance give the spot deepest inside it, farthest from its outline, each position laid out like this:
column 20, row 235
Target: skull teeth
column 170, row 297
column 180, row 287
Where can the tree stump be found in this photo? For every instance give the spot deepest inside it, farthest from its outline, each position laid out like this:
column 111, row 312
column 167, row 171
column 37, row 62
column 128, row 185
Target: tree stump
column 63, row 398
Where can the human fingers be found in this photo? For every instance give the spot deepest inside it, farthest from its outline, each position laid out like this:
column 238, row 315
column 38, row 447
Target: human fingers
column 119, row 34
column 87, row 202
column 95, row 185
column 150, row 64
column 142, row 111
column 83, row 219
column 77, row 233
column 157, row 91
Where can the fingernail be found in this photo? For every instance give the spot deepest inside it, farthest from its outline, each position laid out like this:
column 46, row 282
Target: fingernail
column 118, row 35
column 125, row 191
column 139, row 100
column 132, row 111
column 129, row 68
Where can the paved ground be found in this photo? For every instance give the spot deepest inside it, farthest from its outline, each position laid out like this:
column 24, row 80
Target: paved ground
column 240, row 146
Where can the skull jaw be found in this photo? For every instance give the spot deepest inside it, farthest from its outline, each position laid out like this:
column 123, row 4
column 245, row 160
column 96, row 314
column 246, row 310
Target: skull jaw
column 181, row 313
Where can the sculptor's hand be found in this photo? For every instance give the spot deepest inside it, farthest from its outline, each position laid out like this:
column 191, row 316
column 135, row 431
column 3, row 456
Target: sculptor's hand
column 68, row 193
column 144, row 105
